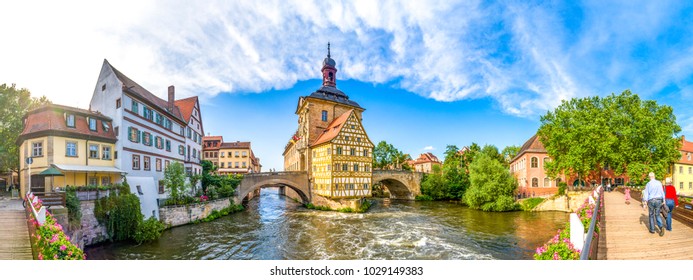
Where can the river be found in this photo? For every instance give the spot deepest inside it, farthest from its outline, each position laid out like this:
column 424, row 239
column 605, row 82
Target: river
column 274, row 227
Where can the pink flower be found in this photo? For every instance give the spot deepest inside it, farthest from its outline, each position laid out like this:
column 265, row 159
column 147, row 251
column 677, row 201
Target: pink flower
column 55, row 257
column 40, row 256
column 556, row 256
column 55, row 238
column 63, row 247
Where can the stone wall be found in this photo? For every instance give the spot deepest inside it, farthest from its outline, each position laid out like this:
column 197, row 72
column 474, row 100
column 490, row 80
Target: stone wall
column 336, row 204
column 564, row 203
column 181, row 215
column 90, row 231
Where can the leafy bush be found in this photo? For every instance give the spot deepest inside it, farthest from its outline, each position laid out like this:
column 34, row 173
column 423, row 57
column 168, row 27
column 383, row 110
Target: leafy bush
column 74, row 209
column 233, row 208
column 51, row 242
column 529, row 203
column 120, row 214
column 492, row 186
column 423, row 197
column 316, row 207
column 148, row 230
column 562, row 186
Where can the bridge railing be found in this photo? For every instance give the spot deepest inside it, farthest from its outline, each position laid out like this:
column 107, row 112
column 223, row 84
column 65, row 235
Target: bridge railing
column 273, row 173
column 589, row 249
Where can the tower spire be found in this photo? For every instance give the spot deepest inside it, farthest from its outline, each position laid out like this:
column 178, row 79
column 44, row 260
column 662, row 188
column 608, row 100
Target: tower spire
column 328, row 49
column 329, row 70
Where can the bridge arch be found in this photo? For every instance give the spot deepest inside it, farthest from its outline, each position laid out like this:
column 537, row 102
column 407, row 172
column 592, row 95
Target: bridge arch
column 297, row 181
column 401, row 184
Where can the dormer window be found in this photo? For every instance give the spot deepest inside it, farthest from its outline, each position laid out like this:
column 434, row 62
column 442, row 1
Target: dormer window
column 105, row 125
column 70, row 120
column 92, row 124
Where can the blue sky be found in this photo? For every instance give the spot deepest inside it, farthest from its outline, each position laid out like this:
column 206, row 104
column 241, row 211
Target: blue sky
column 429, row 73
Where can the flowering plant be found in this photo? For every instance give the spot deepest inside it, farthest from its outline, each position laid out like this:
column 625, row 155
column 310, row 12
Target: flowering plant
column 52, row 243
column 203, row 198
column 558, row 248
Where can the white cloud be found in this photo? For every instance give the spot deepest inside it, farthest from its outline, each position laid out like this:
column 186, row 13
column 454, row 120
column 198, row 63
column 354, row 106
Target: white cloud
column 428, row 148
column 522, row 55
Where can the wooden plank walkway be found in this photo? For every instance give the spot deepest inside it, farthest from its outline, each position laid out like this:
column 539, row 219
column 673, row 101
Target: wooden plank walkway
column 628, row 238
column 14, row 235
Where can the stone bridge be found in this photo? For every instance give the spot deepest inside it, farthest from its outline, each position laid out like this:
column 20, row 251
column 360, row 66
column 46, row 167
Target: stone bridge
column 402, row 184
column 296, row 180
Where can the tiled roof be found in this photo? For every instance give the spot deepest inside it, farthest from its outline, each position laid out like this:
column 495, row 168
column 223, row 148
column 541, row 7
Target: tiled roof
column 208, row 141
column 50, row 120
column 132, row 87
column 686, row 145
column 235, row 145
column 186, row 106
column 532, row 145
column 426, row 157
column 333, row 128
column 335, row 95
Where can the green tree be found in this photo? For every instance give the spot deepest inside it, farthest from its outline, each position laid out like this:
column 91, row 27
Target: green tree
column 492, row 186
column 385, row 155
column 434, row 184
column 174, row 180
column 14, row 103
column 510, row 152
column 622, row 131
column 208, row 178
column 454, row 173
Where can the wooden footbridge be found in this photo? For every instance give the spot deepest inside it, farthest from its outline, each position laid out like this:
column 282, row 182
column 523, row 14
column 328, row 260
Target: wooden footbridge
column 627, row 236
column 14, row 235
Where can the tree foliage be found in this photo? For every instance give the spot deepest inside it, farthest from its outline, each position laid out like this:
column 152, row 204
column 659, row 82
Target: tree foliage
column 630, row 135
column 510, row 152
column 174, row 180
column 385, row 155
column 492, row 186
column 14, row 103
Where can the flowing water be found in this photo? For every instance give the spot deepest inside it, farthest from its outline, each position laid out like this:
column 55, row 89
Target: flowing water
column 275, row 227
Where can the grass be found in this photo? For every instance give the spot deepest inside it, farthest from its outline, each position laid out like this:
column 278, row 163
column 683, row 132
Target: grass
column 233, row 208
column 530, row 203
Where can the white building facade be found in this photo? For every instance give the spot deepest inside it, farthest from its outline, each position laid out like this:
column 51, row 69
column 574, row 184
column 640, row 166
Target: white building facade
column 151, row 133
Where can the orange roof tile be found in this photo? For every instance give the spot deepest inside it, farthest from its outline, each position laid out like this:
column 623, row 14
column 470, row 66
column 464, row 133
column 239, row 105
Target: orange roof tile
column 50, row 120
column 186, row 106
column 333, row 128
column 532, row 145
column 686, row 145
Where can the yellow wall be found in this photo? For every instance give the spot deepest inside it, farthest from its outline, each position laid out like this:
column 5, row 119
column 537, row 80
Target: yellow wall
column 54, row 152
column 684, row 177
column 322, row 173
column 230, row 157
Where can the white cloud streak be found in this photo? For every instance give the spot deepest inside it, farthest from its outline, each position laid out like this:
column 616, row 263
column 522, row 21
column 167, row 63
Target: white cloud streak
column 527, row 57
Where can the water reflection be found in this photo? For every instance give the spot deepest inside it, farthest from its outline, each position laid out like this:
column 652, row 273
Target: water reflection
column 274, row 227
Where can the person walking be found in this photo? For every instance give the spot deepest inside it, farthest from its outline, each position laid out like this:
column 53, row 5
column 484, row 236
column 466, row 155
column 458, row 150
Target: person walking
column 627, row 192
column 670, row 199
column 653, row 198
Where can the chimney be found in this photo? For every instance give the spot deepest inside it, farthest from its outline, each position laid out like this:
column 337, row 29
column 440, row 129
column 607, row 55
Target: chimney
column 171, row 97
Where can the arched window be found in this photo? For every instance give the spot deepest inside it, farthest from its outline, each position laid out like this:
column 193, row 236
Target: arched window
column 331, row 76
column 535, row 183
column 535, row 162
column 547, row 182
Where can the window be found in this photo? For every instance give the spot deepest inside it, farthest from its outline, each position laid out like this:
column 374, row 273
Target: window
column 103, row 87
column 535, row 183
column 690, row 170
column 115, row 130
column 148, row 114
column 146, row 163
column 535, row 162
column 346, row 138
column 314, row 153
column 681, row 186
column 353, row 152
column 329, row 151
column 93, row 181
column 222, row 165
column 328, row 167
column 139, row 190
column 194, row 153
column 135, row 107
column 159, row 119
column 356, row 167
column 324, row 115
column 92, row 124
column 181, row 150
column 244, row 164
column 365, row 152
column 105, row 181
column 135, row 162
column 245, row 154
column 188, row 171
column 365, row 186
column 146, row 138
column 189, row 133
column 358, row 139
column 680, row 169
column 158, row 164
column 133, row 134
column 690, row 185
column 93, row 151
column 105, row 126
column 161, row 186
column 167, row 124
column 70, row 120
column 367, row 168
column 118, row 103
column 106, row 152
column 159, row 142
column 547, row 182
column 236, row 164
column 345, row 167
column 339, row 150
column 166, row 163
column 115, row 154
column 168, row 145
column 236, row 154
column 71, row 149
column 688, row 155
